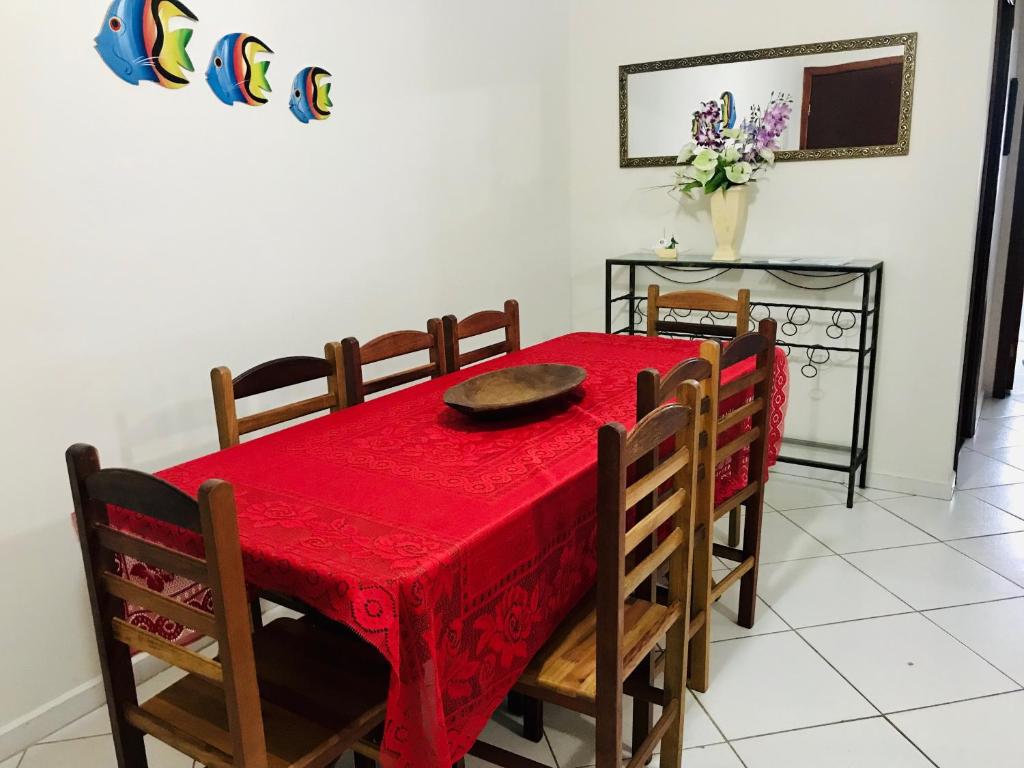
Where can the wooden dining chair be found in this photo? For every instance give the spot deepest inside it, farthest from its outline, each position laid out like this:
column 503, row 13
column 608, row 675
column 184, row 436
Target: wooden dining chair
column 288, row 695
column 697, row 301
column 654, row 391
column 587, row 662
column 270, row 376
column 487, row 321
column 387, row 347
column 759, row 345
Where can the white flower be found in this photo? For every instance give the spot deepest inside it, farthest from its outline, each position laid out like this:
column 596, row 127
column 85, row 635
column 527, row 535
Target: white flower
column 739, row 173
column 732, row 133
column 696, row 174
column 768, row 156
column 706, row 160
column 686, row 153
column 731, row 155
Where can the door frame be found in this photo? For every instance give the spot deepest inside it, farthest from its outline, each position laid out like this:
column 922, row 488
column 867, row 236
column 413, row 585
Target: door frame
column 975, row 335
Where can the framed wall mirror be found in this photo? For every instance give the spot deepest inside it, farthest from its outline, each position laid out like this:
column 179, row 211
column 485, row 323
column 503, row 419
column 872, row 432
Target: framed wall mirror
column 851, row 98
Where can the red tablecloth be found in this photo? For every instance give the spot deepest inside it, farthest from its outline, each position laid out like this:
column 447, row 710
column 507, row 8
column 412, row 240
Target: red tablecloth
column 455, row 547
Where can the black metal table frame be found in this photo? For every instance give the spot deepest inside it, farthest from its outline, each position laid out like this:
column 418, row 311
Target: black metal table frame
column 870, row 274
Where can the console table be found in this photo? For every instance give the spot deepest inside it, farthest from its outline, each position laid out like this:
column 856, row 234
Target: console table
column 821, row 275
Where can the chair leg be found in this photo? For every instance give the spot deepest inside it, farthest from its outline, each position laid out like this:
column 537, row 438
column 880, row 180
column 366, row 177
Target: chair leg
column 533, row 719
column 643, row 712
column 129, row 746
column 734, row 527
column 256, row 611
column 699, row 657
column 751, row 549
column 516, row 705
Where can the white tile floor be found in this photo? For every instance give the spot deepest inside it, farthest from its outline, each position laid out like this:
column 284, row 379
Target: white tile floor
column 888, row 636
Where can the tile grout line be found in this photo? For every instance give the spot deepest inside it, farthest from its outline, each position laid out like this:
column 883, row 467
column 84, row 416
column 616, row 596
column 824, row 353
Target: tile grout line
column 913, row 610
column 920, row 612
column 910, row 546
column 984, row 565
column 829, row 663
column 551, row 749
column 732, row 747
column 910, row 741
column 922, row 530
column 956, row 701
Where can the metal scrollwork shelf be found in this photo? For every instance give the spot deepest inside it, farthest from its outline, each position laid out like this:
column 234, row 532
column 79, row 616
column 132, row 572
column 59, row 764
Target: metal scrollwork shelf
column 852, row 330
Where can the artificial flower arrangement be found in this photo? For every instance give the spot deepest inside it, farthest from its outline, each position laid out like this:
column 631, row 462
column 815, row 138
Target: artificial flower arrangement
column 722, row 154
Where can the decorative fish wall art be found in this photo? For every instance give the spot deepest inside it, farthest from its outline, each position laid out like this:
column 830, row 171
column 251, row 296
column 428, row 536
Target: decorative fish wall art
column 136, row 42
column 235, row 74
column 311, row 95
column 147, row 40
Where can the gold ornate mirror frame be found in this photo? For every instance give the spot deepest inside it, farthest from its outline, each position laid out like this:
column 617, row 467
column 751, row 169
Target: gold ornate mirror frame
column 901, row 147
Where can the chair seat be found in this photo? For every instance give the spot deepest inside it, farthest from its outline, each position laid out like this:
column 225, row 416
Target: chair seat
column 321, row 692
column 565, row 669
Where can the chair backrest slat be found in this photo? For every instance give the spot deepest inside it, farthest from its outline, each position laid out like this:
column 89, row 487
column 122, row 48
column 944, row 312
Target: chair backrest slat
column 657, row 477
column 733, row 418
column 660, row 515
column 655, row 560
column 130, row 489
column 393, row 380
column 186, row 615
column 740, row 383
column 388, row 347
column 268, row 377
column 156, row 555
column 696, row 301
column 173, row 654
column 742, row 347
column 280, row 373
column 285, row 413
column 726, row 451
column 395, row 344
column 212, row 517
column 486, row 321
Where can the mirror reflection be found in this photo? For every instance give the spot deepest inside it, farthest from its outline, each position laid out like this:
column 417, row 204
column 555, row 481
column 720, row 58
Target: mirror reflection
column 850, row 99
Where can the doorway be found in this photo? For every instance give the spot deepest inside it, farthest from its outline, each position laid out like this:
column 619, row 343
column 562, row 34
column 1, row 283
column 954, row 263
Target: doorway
column 978, row 311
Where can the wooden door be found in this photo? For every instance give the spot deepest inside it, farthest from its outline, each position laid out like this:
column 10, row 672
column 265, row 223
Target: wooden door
column 852, row 105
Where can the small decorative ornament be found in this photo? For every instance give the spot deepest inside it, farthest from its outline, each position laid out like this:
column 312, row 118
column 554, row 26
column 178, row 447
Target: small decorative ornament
column 724, row 158
column 235, row 74
column 311, row 96
column 666, row 248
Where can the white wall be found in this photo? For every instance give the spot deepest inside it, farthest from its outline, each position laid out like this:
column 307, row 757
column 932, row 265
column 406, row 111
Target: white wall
column 148, row 235
column 917, row 212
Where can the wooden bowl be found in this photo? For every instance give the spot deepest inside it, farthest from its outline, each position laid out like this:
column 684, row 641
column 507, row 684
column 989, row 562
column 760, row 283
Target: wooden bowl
column 514, row 388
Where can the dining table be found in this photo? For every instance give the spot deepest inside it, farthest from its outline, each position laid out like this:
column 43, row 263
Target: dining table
column 452, row 544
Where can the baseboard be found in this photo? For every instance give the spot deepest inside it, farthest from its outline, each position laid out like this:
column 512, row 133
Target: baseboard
column 875, row 480
column 20, row 734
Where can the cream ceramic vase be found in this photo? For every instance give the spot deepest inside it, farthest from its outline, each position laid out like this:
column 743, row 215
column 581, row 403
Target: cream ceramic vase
column 729, row 220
